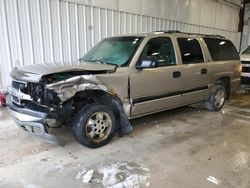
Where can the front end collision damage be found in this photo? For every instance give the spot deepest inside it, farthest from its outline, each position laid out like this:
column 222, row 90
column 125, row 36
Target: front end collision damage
column 34, row 120
column 66, row 89
column 94, row 89
column 58, row 99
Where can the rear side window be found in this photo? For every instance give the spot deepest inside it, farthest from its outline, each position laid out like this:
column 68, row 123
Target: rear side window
column 190, row 50
column 221, row 49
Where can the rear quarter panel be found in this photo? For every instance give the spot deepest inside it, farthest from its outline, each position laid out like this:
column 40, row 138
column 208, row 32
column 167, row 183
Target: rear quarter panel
column 219, row 69
column 230, row 69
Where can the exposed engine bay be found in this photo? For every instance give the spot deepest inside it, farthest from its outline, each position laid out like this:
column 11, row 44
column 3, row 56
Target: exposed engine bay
column 43, row 92
column 60, row 95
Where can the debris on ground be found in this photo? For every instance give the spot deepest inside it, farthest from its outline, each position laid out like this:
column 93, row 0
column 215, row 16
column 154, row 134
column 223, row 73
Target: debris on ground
column 87, row 177
column 213, row 180
column 79, row 174
column 115, row 175
column 59, row 167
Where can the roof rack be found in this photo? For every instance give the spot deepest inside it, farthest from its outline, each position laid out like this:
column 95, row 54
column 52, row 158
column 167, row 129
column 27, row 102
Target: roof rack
column 177, row 31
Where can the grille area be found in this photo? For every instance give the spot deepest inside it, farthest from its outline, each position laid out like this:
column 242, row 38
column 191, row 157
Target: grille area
column 245, row 62
column 18, row 85
column 245, row 69
column 31, row 89
column 22, row 88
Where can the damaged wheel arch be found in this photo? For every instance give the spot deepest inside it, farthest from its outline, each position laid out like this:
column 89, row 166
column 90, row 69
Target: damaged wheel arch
column 113, row 102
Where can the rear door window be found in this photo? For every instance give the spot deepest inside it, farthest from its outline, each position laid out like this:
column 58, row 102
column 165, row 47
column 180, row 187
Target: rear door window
column 221, row 49
column 190, row 49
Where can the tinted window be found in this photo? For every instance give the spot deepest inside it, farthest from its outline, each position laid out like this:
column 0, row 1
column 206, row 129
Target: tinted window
column 221, row 49
column 190, row 50
column 161, row 49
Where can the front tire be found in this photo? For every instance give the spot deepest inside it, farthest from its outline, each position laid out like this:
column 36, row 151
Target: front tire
column 94, row 125
column 217, row 98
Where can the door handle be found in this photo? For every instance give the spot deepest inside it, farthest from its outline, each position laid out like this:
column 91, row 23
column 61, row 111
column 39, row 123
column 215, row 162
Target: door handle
column 176, row 74
column 204, row 71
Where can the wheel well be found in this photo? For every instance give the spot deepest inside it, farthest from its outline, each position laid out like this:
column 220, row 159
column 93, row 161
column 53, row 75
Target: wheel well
column 226, row 82
column 94, row 96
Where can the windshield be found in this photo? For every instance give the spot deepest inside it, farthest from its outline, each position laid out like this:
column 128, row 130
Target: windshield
column 116, row 51
column 247, row 50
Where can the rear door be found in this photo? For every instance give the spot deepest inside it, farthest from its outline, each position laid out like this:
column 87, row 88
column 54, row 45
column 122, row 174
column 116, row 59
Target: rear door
column 156, row 89
column 195, row 69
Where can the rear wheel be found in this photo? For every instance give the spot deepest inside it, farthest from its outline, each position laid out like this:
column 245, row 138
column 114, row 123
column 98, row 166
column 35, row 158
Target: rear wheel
column 94, row 125
column 216, row 98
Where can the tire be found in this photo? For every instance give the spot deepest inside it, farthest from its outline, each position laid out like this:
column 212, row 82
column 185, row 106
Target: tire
column 216, row 98
column 94, row 125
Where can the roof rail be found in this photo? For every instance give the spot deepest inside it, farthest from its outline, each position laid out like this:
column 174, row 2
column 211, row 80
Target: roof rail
column 169, row 31
column 172, row 31
column 177, row 31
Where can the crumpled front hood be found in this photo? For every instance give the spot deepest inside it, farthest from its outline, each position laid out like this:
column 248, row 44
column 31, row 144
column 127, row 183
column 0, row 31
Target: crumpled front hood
column 33, row 73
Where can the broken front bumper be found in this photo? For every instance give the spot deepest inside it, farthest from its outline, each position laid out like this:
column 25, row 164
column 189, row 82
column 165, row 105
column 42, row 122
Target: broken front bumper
column 33, row 122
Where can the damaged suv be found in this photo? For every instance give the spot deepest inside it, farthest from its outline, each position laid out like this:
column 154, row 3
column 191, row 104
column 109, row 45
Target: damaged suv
column 122, row 78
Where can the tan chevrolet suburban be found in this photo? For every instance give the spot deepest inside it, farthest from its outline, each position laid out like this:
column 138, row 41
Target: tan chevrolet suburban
column 122, row 78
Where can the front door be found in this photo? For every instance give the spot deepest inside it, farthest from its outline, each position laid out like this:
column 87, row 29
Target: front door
column 156, row 89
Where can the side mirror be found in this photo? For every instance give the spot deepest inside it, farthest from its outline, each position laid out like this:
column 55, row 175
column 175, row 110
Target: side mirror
column 146, row 63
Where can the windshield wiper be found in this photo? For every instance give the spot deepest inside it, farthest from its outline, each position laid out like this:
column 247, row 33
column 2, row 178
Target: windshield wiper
column 110, row 64
column 98, row 61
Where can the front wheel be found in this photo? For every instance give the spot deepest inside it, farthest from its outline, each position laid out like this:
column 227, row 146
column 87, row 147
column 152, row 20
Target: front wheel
column 94, row 125
column 216, row 98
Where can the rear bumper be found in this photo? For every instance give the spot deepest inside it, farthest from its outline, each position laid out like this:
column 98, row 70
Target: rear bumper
column 34, row 122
